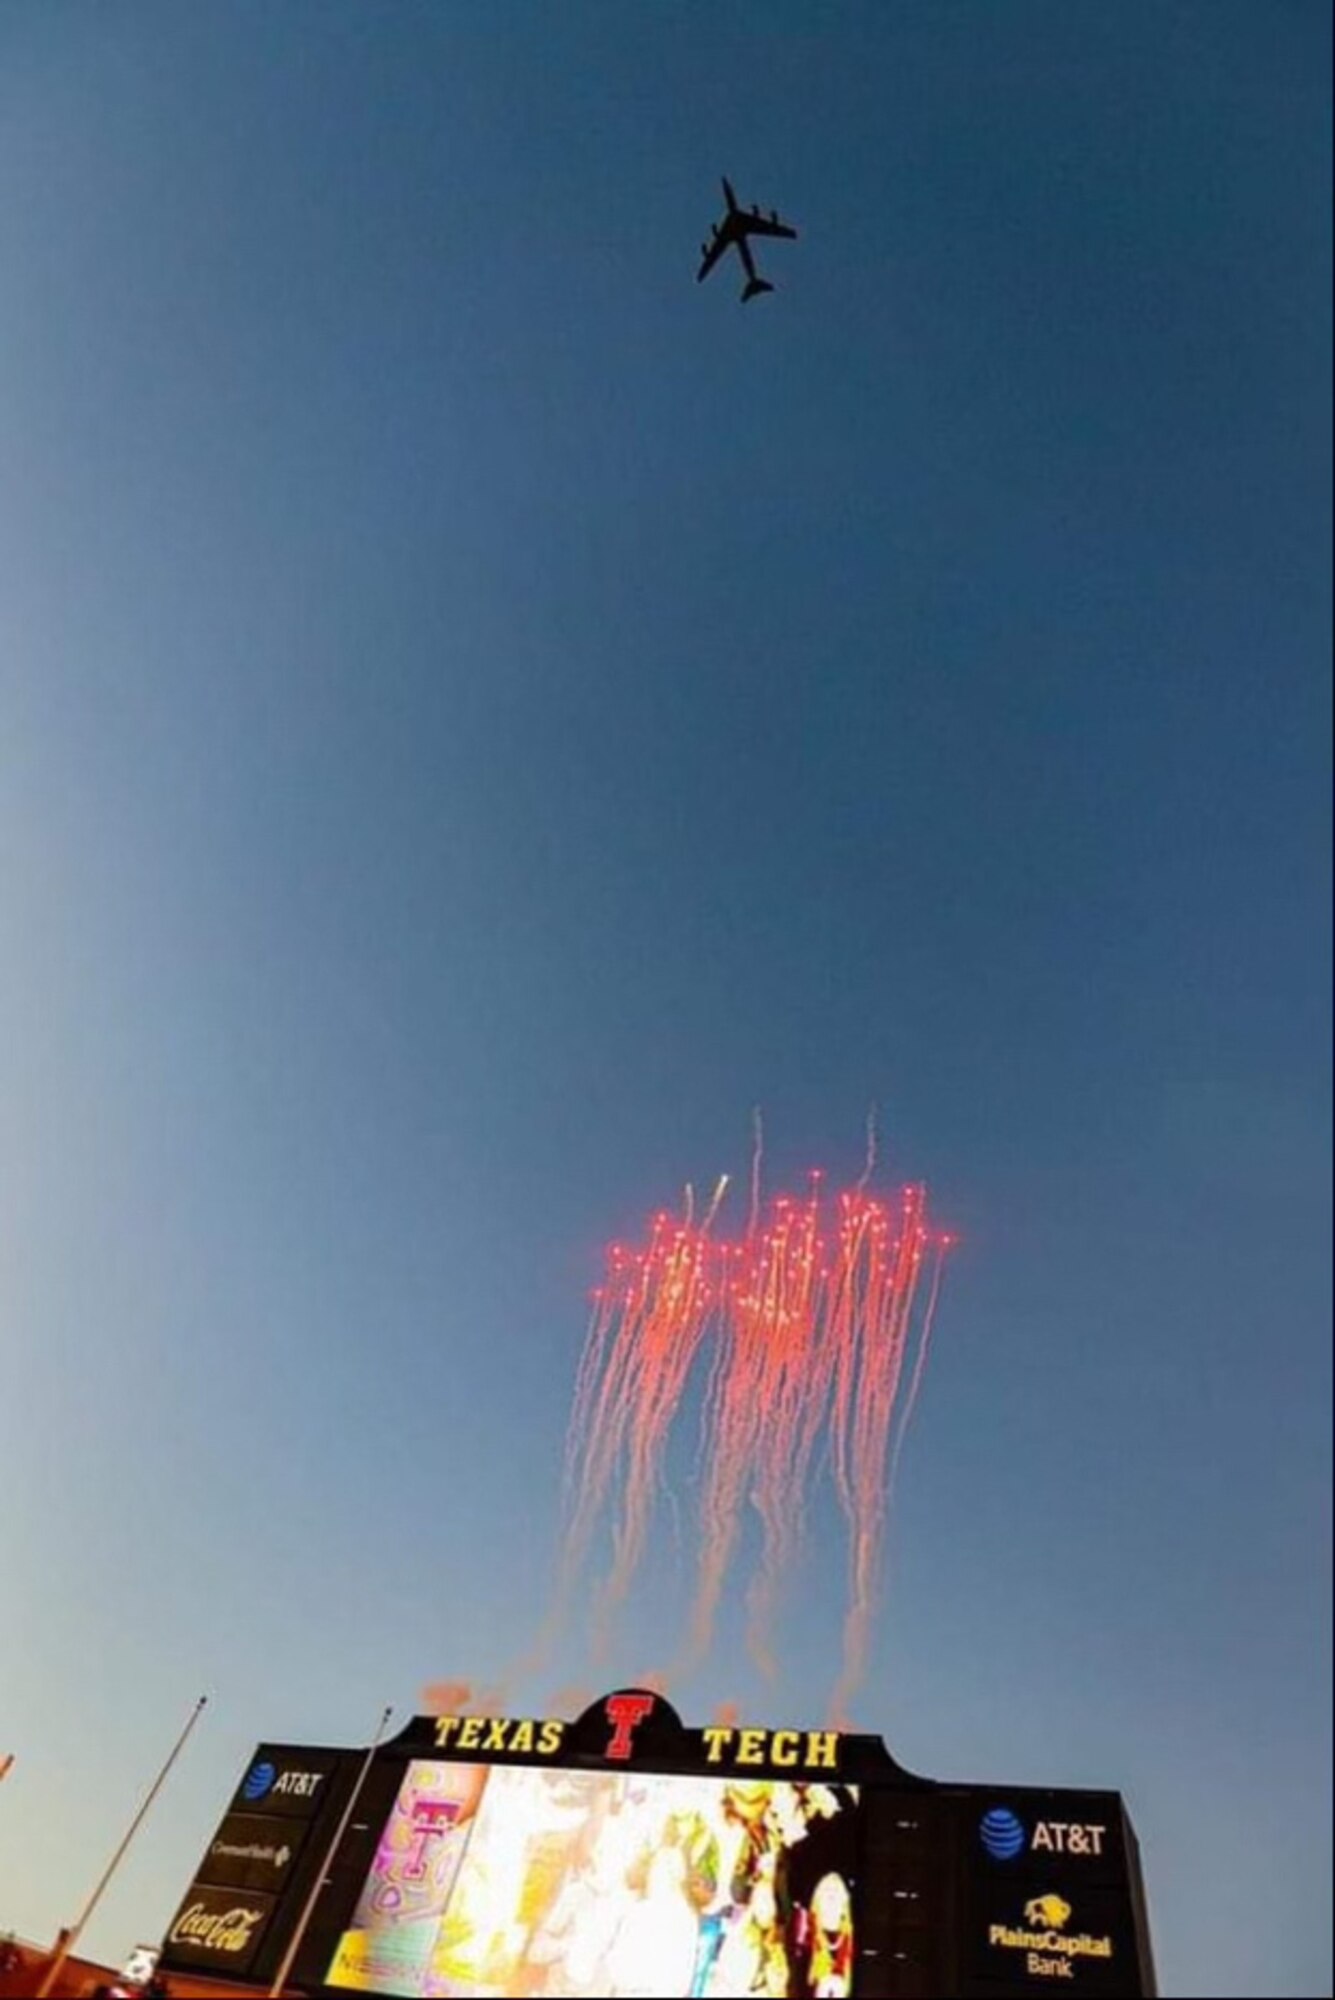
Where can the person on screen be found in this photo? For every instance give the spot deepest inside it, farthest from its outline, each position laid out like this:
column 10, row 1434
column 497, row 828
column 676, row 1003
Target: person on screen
column 732, row 1842
column 654, row 1949
column 569, row 1950
column 754, row 1958
column 830, row 1974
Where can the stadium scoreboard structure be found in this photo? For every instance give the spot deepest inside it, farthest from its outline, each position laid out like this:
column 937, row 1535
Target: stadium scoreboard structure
column 623, row 1854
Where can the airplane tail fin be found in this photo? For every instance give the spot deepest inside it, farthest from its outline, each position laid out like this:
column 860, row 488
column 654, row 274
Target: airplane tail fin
column 755, row 288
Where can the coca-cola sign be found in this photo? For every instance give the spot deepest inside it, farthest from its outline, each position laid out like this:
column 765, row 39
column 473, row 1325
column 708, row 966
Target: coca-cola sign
column 217, row 1926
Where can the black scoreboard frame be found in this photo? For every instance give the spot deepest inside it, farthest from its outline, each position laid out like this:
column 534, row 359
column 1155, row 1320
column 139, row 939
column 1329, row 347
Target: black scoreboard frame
column 936, row 1913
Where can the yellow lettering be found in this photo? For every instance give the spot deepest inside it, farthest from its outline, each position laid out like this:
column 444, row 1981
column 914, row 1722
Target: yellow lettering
column 523, row 1737
column 823, row 1748
column 751, row 1746
column 496, row 1735
column 445, row 1728
column 783, row 1746
column 470, row 1732
column 716, row 1742
column 549, row 1738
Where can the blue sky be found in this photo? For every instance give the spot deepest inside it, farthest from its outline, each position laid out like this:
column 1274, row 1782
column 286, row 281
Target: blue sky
column 480, row 712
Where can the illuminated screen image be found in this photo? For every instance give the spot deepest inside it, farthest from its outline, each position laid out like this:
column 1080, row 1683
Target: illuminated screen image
column 493, row 1881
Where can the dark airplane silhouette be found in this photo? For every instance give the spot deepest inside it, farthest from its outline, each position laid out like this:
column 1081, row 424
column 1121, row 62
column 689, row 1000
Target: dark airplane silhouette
column 731, row 234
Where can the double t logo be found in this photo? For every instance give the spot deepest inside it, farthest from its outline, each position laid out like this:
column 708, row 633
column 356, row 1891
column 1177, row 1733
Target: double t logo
column 625, row 1712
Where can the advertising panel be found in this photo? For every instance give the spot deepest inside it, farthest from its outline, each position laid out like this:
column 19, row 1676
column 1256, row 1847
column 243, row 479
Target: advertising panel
column 1077, row 1938
column 500, row 1881
column 221, row 1929
column 1030, row 1833
column 290, row 1783
column 249, row 1852
column 1047, row 1896
column 237, row 1916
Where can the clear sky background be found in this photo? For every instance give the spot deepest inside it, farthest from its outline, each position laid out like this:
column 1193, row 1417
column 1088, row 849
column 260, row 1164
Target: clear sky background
column 480, row 712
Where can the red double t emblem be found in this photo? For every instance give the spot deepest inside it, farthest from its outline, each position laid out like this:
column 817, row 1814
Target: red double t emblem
column 625, row 1712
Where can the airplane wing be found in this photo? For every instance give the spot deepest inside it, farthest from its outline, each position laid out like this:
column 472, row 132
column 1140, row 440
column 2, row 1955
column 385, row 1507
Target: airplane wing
column 723, row 239
column 764, row 225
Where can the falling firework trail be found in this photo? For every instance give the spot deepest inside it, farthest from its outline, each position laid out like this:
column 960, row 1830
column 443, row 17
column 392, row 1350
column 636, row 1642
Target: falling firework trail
column 882, row 1278
column 811, row 1326
column 943, row 1243
column 665, row 1343
column 733, row 1410
column 809, row 1333
column 796, row 1395
column 649, row 1319
column 629, row 1377
column 715, row 1204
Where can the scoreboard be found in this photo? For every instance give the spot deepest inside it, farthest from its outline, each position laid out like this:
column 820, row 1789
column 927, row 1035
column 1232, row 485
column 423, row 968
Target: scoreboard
column 625, row 1855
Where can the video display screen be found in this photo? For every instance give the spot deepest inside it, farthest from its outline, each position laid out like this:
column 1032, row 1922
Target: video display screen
column 494, row 1881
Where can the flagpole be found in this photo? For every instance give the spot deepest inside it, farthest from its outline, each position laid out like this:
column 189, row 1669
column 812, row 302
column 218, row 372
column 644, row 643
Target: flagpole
column 303, row 1921
column 66, row 1947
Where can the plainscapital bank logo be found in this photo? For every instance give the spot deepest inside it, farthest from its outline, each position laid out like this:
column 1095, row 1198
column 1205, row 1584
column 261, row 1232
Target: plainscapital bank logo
column 229, row 1931
column 1051, row 1951
column 259, row 1780
column 1053, row 1910
column 1002, row 1833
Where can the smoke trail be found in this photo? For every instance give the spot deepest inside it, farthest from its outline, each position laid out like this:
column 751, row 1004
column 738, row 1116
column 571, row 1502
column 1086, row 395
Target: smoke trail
column 870, row 1166
column 568, row 1703
column 462, row 1698
column 446, row 1698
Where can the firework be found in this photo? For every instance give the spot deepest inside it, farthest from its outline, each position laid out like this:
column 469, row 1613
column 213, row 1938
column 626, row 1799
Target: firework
column 649, row 1318
column 817, row 1317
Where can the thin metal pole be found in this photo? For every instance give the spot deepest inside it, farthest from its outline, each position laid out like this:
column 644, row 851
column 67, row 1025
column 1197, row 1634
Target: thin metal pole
column 57, row 1965
column 303, row 1921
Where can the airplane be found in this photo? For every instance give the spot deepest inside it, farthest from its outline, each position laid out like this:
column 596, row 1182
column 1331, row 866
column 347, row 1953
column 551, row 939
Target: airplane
column 731, row 234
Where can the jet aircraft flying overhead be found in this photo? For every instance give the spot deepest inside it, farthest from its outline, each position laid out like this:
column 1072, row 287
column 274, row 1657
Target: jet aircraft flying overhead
column 732, row 233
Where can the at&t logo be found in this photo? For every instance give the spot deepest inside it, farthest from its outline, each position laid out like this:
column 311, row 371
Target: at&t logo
column 259, row 1780
column 1003, row 1835
column 263, row 1778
